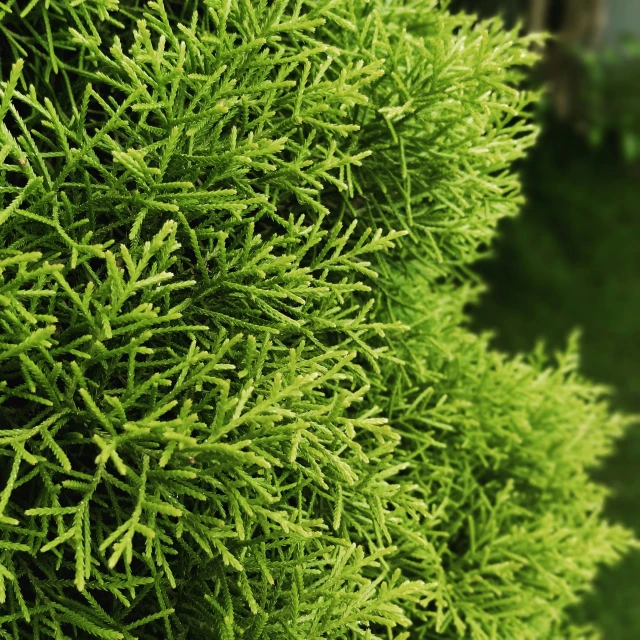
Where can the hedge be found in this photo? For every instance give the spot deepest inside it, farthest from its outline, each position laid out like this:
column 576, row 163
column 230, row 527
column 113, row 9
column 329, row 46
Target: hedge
column 239, row 399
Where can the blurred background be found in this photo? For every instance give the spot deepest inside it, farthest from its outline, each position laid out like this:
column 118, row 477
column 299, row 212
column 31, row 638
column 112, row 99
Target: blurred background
column 572, row 259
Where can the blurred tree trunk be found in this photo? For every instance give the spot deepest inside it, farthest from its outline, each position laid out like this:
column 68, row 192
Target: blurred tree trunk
column 582, row 25
column 538, row 12
column 583, row 21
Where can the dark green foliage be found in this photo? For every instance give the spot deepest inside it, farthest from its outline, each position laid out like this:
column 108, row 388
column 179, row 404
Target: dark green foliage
column 583, row 270
column 609, row 95
column 238, row 400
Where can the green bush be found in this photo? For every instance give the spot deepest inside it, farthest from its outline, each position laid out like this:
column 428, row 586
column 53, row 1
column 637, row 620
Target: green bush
column 238, row 398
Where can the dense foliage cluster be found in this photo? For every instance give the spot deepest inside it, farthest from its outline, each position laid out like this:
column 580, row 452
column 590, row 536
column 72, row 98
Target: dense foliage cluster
column 237, row 397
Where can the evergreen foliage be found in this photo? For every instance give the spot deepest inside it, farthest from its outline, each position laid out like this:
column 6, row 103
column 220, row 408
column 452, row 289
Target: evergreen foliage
column 238, row 399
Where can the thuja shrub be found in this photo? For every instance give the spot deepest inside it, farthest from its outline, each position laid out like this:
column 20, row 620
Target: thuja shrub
column 238, row 399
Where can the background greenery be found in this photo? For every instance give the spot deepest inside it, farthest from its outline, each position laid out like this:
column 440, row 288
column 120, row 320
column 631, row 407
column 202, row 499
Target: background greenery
column 571, row 260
